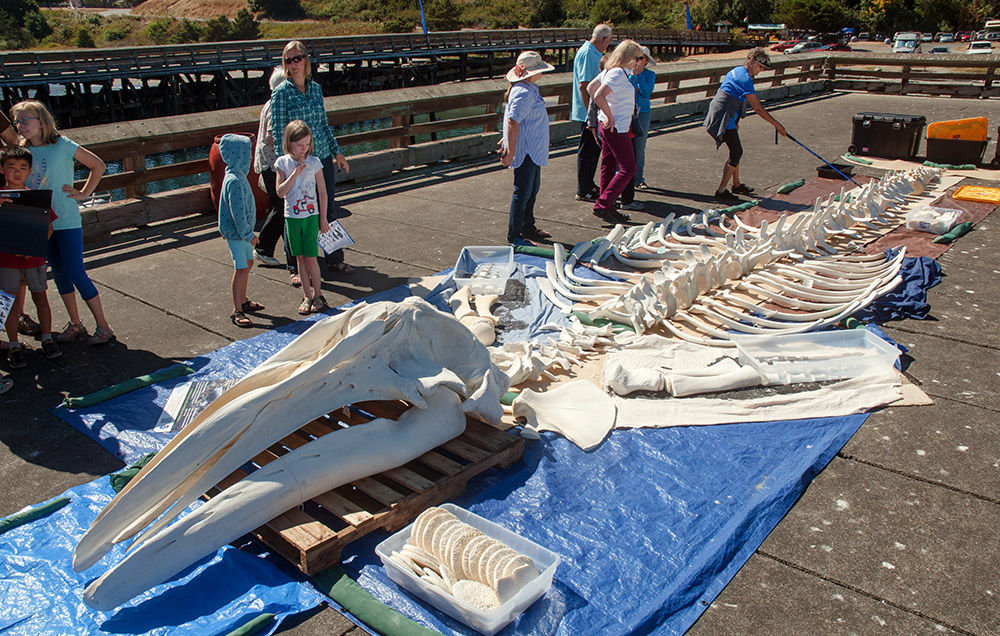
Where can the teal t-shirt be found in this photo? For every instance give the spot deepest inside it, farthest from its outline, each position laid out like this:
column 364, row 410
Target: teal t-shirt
column 586, row 66
column 51, row 169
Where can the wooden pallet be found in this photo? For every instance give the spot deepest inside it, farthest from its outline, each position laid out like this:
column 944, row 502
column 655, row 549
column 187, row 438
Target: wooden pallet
column 313, row 534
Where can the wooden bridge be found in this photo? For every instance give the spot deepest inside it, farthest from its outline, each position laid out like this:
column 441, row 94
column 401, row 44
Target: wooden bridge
column 91, row 86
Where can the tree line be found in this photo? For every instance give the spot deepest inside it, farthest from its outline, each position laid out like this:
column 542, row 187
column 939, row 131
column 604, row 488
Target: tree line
column 24, row 25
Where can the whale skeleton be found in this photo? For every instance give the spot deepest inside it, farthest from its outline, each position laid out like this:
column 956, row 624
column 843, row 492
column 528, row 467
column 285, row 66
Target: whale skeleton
column 709, row 275
column 407, row 351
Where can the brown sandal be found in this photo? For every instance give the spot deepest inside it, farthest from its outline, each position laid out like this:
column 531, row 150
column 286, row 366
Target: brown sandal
column 240, row 320
column 250, row 306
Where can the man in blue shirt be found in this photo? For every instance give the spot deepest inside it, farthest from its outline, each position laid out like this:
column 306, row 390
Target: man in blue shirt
column 586, row 66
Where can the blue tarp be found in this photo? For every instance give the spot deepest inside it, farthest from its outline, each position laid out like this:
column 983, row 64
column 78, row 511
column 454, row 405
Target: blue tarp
column 42, row 594
column 650, row 526
column 909, row 299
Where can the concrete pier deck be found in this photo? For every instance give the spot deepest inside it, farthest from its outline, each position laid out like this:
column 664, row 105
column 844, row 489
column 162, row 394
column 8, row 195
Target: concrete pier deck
column 896, row 536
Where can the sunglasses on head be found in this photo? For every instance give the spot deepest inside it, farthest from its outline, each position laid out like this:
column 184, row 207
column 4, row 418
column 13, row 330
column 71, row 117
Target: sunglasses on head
column 295, row 59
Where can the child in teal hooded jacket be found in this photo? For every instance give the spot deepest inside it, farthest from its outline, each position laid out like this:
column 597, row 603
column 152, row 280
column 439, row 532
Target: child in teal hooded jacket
column 237, row 215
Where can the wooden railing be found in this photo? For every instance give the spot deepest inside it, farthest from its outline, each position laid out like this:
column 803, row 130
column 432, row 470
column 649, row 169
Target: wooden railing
column 411, row 116
column 30, row 67
column 955, row 75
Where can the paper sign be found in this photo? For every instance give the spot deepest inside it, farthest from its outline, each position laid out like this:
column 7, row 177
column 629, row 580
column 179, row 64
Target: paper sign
column 187, row 400
column 24, row 230
column 336, row 238
column 6, row 302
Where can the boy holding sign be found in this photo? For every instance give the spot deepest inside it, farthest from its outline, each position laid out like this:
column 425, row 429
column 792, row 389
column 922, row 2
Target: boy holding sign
column 17, row 270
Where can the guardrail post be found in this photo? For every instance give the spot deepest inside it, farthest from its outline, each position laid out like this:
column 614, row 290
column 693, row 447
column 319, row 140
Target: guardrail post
column 714, row 82
column 778, row 78
column 672, row 85
column 906, row 78
column 401, row 120
column 988, row 81
column 831, row 69
column 135, row 162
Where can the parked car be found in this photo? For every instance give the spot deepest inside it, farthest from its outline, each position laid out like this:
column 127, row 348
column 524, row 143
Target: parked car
column 979, row 47
column 864, row 36
column 963, row 36
column 945, row 37
column 805, row 47
column 927, row 37
column 836, row 46
column 906, row 42
column 940, row 49
column 784, row 46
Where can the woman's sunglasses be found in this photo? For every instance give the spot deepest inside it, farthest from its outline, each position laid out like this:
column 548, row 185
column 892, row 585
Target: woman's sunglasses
column 295, row 59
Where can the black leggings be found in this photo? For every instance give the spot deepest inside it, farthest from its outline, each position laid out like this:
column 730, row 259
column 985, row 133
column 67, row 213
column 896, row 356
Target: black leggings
column 732, row 140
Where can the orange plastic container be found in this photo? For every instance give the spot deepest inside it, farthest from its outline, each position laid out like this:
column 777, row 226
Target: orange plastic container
column 970, row 129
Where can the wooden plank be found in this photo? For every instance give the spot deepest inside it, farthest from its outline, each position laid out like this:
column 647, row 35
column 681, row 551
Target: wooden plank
column 344, row 508
column 378, row 491
column 465, row 450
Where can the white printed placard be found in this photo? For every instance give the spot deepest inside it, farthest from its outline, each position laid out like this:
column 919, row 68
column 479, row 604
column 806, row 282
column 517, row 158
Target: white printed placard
column 334, row 239
column 6, row 302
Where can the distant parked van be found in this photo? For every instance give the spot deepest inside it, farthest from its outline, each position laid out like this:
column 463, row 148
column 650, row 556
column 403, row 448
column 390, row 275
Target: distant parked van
column 907, row 42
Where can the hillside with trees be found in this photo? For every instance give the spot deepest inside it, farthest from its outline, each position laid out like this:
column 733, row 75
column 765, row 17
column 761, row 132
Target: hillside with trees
column 24, row 25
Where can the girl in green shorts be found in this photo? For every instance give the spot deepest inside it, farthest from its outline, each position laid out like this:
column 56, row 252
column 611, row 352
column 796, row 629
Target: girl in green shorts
column 301, row 185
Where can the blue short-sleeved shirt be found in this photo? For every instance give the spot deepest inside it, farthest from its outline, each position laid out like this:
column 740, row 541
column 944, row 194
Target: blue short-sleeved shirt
column 52, row 168
column 586, row 66
column 526, row 106
column 738, row 84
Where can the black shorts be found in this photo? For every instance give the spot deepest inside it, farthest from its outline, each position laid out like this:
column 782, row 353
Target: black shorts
column 732, row 140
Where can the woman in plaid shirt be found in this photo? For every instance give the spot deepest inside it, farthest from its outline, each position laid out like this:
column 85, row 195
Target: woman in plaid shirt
column 299, row 97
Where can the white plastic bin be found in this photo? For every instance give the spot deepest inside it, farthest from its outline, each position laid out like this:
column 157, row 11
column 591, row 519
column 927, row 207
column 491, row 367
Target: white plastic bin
column 485, row 622
column 484, row 269
column 814, row 357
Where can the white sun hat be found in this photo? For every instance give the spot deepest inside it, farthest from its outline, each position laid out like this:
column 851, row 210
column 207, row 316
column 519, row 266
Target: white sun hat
column 528, row 63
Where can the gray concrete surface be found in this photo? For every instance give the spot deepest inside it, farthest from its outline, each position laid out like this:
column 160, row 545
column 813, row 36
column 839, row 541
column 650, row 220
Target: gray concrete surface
column 896, row 536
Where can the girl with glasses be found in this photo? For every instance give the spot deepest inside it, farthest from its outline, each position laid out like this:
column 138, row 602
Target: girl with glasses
column 54, row 157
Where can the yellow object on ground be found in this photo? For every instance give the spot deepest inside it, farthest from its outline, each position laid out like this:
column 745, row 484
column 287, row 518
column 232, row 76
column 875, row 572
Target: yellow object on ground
column 977, row 193
column 970, row 129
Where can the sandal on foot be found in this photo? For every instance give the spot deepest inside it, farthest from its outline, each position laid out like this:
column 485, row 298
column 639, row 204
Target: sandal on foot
column 240, row 320
column 342, row 268
column 319, row 304
column 296, row 281
column 6, row 384
column 250, row 306
column 305, row 308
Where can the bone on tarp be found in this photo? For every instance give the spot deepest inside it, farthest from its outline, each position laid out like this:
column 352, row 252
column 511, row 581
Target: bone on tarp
column 406, row 351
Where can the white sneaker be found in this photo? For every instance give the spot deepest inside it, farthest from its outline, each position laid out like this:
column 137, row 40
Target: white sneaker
column 264, row 259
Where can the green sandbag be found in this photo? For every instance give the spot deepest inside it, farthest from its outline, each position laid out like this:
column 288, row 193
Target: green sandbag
column 733, row 209
column 32, row 514
column 352, row 597
column 616, row 327
column 952, row 166
column 253, row 626
column 535, row 250
column 855, row 159
column 852, row 323
column 508, row 398
column 120, row 479
column 959, row 230
column 127, row 386
column 791, row 186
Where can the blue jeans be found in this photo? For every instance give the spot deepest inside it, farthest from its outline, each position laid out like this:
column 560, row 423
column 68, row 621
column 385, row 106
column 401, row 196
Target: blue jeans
column 640, row 126
column 527, row 179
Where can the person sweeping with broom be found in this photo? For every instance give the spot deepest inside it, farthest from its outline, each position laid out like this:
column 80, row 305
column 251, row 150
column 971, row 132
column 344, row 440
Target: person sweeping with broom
column 723, row 120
